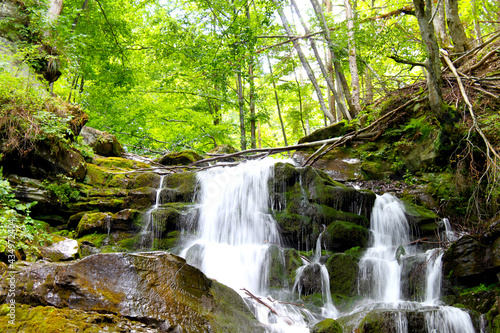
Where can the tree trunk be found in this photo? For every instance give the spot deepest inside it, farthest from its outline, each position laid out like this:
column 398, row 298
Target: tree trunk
column 439, row 23
column 336, row 64
column 301, row 108
column 353, row 66
column 423, row 11
column 241, row 103
column 368, row 87
column 477, row 27
column 329, row 82
column 251, row 92
column 277, row 102
column 455, row 26
column 302, row 58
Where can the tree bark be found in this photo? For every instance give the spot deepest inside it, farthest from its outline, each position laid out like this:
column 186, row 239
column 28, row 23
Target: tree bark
column 302, row 58
column 319, row 14
column 439, row 22
column 241, row 103
column 277, row 102
column 455, row 26
column 353, row 66
column 252, row 91
column 423, row 11
column 329, row 82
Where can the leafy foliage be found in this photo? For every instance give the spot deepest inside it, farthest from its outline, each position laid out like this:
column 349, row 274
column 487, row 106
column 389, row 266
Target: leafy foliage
column 17, row 229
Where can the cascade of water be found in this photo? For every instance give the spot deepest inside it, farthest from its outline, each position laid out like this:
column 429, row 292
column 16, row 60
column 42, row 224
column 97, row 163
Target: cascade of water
column 379, row 267
column 328, row 310
column 148, row 232
column 433, row 276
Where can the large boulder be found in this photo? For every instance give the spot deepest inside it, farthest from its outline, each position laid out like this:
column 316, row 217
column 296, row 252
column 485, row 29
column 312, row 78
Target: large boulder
column 184, row 157
column 473, row 260
column 306, row 200
column 102, row 143
column 156, row 288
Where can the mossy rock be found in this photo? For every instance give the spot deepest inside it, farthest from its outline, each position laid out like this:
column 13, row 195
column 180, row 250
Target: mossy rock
column 102, row 143
column 332, row 131
column 179, row 187
column 343, row 271
column 147, row 179
column 105, row 204
column 92, row 222
column 49, row 319
column 376, row 170
column 96, row 176
column 120, row 163
column 327, row 326
column 342, row 235
column 142, row 197
column 184, row 157
column 162, row 288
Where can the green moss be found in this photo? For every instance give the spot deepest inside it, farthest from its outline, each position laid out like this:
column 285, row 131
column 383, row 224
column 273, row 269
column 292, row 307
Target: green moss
column 91, row 222
column 119, row 162
column 327, row 326
column 343, row 271
column 95, row 239
column 184, row 157
column 48, row 319
column 96, row 176
column 147, row 179
column 418, row 211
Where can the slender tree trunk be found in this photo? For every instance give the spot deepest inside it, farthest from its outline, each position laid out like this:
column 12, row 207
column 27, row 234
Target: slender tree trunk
column 353, row 66
column 75, row 22
column 277, row 101
column 329, row 82
column 455, row 26
column 336, row 64
column 439, row 22
column 241, row 103
column 258, row 134
column 329, row 66
column 301, row 108
column 302, row 58
column 368, row 87
column 423, row 11
column 252, row 91
column 477, row 27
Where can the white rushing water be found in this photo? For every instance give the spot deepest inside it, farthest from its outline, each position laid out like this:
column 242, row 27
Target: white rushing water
column 149, row 231
column 381, row 268
column 235, row 231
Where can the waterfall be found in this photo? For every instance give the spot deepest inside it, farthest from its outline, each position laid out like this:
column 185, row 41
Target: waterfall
column 235, row 232
column 381, row 267
column 328, row 310
column 149, row 230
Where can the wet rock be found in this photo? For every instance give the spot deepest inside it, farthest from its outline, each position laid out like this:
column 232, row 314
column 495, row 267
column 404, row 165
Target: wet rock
column 341, row 236
column 337, row 164
column 343, row 271
column 309, row 280
column 473, row 259
column 63, row 250
column 179, row 187
column 102, row 143
column 157, row 288
column 327, row 326
column 328, row 132
column 184, row 157
column 50, row 320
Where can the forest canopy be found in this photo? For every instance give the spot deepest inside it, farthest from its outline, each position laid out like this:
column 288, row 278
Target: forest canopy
column 175, row 74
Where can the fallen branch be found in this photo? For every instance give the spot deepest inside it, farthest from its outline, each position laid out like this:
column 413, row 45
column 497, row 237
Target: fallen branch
column 353, row 135
column 489, row 147
column 276, row 150
column 258, row 300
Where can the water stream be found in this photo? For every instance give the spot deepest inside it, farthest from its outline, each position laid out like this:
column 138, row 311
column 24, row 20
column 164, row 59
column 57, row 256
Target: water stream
column 236, row 230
